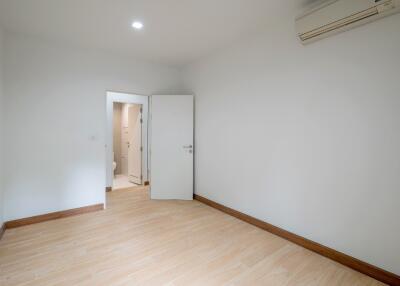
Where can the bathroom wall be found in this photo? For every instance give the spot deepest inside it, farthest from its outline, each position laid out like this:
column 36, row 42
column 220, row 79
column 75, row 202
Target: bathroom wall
column 117, row 125
column 124, row 138
column 120, row 139
column 1, row 129
column 56, row 97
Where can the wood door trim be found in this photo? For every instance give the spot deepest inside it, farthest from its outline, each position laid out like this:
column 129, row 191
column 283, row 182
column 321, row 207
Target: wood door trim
column 354, row 263
column 53, row 216
column 2, row 230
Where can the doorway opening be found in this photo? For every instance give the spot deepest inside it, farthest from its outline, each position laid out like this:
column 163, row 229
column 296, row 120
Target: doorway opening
column 172, row 144
column 127, row 142
column 127, row 145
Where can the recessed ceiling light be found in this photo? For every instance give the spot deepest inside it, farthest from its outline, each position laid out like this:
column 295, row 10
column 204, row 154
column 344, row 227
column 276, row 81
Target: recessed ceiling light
column 137, row 25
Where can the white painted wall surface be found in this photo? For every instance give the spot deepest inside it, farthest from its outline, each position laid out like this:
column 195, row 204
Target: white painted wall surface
column 1, row 129
column 56, row 107
column 307, row 137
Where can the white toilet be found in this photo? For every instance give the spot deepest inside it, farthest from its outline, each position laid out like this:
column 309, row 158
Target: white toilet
column 114, row 164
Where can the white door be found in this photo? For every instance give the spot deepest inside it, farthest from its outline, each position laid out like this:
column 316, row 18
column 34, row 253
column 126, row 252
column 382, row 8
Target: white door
column 135, row 144
column 171, row 147
column 124, row 150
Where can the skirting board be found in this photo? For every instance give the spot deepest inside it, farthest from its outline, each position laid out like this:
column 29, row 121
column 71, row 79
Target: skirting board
column 52, row 216
column 358, row 265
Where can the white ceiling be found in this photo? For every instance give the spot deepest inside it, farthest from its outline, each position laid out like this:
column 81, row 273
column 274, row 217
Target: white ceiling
column 176, row 32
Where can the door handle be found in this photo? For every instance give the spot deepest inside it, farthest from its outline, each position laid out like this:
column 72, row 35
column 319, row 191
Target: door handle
column 188, row 147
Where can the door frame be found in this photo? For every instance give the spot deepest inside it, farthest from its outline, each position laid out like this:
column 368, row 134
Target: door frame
column 130, row 98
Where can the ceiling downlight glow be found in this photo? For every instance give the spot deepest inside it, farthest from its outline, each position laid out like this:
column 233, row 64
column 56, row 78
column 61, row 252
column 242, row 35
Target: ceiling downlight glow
column 137, row 25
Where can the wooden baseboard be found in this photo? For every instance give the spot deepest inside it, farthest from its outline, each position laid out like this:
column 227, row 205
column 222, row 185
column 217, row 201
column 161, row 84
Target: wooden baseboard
column 52, row 216
column 358, row 265
column 108, row 189
column 2, row 230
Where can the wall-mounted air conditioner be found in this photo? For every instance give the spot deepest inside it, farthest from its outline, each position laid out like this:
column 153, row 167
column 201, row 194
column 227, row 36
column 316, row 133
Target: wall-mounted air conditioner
column 337, row 16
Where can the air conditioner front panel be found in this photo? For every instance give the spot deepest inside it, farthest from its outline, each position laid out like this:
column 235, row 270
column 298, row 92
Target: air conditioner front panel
column 331, row 13
column 340, row 15
column 340, row 23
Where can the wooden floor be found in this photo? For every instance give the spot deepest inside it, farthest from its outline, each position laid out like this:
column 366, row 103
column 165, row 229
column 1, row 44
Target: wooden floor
column 141, row 242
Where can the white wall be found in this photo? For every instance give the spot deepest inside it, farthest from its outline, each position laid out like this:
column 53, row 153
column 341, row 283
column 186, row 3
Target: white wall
column 1, row 130
column 56, row 110
column 307, row 137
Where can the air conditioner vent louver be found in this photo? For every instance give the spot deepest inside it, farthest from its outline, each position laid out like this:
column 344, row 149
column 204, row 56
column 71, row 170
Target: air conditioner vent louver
column 341, row 15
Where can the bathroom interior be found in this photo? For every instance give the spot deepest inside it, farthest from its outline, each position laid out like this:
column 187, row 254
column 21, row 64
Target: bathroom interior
column 127, row 145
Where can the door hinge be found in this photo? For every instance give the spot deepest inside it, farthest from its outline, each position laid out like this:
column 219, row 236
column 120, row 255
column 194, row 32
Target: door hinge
column 141, row 120
column 141, row 110
column 141, row 149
